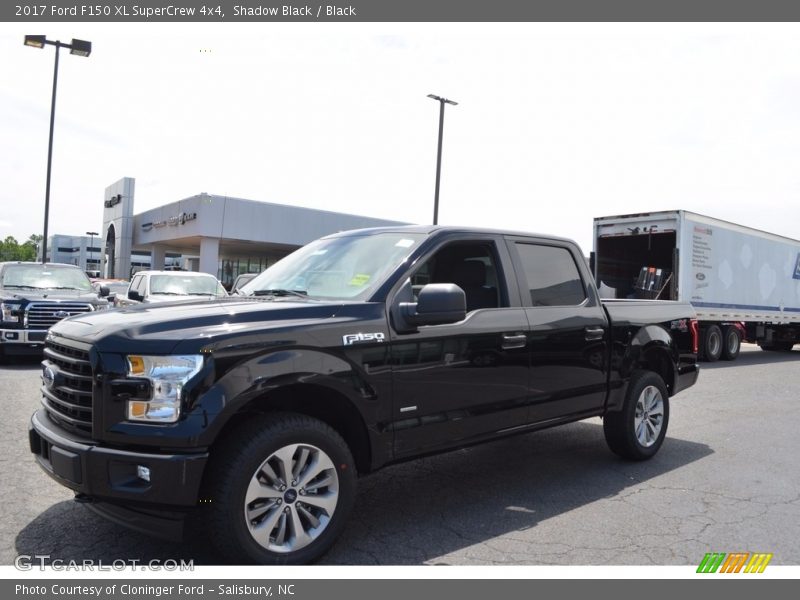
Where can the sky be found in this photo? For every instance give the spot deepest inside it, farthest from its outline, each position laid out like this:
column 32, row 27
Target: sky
column 555, row 124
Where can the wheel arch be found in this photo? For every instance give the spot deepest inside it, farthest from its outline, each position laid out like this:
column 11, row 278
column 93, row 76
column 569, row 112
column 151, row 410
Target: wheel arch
column 653, row 349
column 317, row 401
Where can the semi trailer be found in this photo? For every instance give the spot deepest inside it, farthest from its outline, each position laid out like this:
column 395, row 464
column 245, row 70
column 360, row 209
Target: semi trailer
column 743, row 283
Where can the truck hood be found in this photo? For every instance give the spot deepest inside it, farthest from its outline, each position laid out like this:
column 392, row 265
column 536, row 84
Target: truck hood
column 161, row 328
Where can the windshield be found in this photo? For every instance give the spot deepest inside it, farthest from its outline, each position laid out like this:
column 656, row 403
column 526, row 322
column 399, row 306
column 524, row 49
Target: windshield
column 45, row 277
column 186, row 285
column 341, row 268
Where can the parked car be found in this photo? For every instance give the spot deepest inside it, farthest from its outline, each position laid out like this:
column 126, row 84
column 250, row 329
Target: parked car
column 357, row 351
column 241, row 280
column 34, row 296
column 171, row 286
column 117, row 288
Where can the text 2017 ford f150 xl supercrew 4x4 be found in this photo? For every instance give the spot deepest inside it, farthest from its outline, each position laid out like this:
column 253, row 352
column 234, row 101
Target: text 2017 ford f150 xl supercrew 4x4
column 256, row 413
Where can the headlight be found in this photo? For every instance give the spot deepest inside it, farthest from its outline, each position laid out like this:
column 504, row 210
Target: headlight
column 9, row 312
column 167, row 375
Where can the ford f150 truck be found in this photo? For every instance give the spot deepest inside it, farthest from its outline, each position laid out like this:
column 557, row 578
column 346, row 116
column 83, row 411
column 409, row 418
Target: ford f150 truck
column 34, row 296
column 257, row 413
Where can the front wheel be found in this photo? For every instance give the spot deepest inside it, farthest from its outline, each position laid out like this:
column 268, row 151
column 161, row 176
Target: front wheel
column 281, row 491
column 638, row 430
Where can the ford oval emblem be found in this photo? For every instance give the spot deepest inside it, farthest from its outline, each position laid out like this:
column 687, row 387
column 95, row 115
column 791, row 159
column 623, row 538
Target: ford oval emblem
column 49, row 377
column 62, row 314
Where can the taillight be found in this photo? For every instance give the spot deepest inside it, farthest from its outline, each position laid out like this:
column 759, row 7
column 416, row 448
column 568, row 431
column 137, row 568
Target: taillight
column 694, row 327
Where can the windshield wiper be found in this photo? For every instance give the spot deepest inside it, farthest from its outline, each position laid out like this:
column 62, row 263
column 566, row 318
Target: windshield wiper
column 166, row 294
column 297, row 293
column 68, row 288
column 24, row 287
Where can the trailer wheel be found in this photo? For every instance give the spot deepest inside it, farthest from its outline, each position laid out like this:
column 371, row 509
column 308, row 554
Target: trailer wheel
column 711, row 348
column 280, row 491
column 638, row 430
column 732, row 343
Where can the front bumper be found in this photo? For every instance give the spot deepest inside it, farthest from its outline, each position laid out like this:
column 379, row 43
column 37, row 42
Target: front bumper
column 109, row 476
column 22, row 341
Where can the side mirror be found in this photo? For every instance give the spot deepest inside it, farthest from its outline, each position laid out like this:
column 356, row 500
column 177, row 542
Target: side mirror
column 134, row 295
column 437, row 304
column 104, row 291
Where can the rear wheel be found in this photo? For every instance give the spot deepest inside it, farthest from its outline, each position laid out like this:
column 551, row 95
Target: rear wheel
column 281, row 491
column 638, row 430
column 732, row 343
column 712, row 343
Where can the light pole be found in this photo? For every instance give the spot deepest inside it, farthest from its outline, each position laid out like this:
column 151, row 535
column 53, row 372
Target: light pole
column 91, row 245
column 79, row 48
column 442, row 102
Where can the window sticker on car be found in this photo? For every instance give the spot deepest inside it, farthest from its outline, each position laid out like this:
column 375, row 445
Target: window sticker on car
column 404, row 243
column 360, row 279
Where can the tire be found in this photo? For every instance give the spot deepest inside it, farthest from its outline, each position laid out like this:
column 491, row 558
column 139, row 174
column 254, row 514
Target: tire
column 638, row 430
column 731, row 343
column 259, row 513
column 712, row 343
column 777, row 347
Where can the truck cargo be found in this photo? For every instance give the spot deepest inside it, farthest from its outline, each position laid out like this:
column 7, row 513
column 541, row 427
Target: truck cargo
column 743, row 283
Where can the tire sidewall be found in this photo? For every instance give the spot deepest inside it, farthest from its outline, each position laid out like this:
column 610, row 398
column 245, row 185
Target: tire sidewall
column 713, row 332
column 727, row 333
column 257, row 452
column 638, row 384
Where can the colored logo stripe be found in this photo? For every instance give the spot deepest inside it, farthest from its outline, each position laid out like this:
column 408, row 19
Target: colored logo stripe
column 734, row 562
column 758, row 563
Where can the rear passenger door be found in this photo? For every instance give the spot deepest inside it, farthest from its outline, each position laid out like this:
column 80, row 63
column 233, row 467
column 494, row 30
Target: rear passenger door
column 568, row 329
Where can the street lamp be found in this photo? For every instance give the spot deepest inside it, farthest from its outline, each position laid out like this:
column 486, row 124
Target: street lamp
column 79, row 48
column 442, row 102
column 91, row 245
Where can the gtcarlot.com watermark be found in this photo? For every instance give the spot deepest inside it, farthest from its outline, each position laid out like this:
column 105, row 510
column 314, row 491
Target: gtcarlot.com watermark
column 29, row 562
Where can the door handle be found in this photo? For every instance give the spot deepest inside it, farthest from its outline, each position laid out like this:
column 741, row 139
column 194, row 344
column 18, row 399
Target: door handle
column 594, row 333
column 512, row 341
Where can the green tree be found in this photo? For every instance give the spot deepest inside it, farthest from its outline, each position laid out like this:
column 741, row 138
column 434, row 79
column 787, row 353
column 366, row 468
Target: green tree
column 11, row 249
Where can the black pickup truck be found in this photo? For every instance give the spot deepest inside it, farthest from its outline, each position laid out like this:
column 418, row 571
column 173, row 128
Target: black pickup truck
column 34, row 296
column 255, row 414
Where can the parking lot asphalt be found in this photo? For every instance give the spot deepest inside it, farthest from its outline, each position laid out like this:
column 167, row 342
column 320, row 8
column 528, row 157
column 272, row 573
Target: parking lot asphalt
column 726, row 480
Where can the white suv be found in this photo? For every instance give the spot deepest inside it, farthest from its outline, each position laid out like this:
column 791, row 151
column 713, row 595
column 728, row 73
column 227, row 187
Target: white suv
column 169, row 286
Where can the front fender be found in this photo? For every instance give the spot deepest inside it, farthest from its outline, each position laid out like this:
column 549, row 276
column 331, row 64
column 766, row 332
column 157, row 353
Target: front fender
column 256, row 377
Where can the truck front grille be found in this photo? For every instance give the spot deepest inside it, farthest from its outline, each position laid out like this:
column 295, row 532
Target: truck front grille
column 42, row 315
column 67, row 397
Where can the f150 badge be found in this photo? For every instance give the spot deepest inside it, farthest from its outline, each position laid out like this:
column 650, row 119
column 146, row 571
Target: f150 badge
column 357, row 338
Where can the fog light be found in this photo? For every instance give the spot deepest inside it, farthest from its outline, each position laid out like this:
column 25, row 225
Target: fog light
column 143, row 473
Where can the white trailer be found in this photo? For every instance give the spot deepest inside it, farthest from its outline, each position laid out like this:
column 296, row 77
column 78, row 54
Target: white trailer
column 744, row 283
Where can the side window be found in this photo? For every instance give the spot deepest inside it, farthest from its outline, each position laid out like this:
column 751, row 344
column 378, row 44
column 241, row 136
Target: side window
column 551, row 274
column 137, row 285
column 471, row 266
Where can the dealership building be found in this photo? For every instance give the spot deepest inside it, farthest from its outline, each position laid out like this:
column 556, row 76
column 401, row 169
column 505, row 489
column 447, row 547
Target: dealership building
column 219, row 235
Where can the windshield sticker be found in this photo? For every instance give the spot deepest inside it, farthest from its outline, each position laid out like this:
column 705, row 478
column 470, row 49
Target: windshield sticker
column 319, row 252
column 360, row 279
column 405, row 243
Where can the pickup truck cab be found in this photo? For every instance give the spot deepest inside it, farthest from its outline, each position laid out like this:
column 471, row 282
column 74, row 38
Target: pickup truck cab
column 365, row 348
column 171, row 286
column 34, row 296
